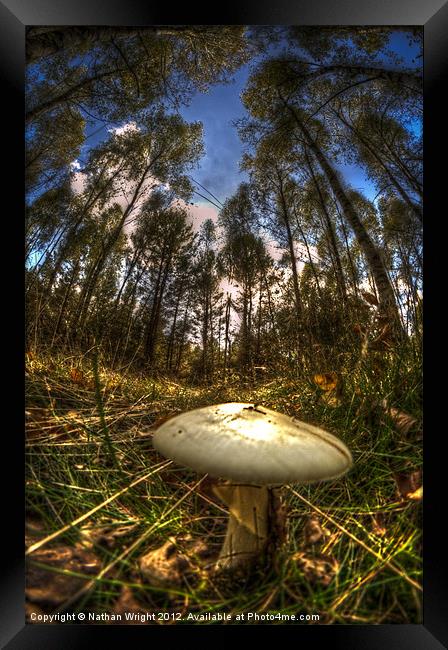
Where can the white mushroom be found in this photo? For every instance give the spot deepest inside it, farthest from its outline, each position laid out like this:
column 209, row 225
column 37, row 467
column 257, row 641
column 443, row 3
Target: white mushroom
column 255, row 448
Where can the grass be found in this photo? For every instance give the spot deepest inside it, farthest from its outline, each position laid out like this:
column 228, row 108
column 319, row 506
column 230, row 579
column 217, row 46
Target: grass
column 99, row 497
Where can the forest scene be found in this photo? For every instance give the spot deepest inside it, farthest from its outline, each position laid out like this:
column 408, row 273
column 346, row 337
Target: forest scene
column 223, row 220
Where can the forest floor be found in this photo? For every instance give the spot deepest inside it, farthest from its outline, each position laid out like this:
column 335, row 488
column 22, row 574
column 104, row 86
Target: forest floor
column 99, row 498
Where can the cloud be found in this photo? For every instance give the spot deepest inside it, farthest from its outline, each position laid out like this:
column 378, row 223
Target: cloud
column 78, row 181
column 129, row 126
column 200, row 212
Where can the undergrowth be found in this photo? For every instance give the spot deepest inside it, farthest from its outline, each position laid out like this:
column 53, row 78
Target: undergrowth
column 99, row 497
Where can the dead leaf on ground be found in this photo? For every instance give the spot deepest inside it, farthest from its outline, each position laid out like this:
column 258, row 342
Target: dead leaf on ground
column 164, row 566
column 409, row 486
column 320, row 568
column 107, row 535
column 178, row 557
column 34, row 530
column 417, row 495
column 327, row 381
column 331, row 399
column 403, row 422
column 77, row 376
column 48, row 587
column 378, row 524
column 313, row 531
column 331, row 384
column 370, row 298
column 127, row 603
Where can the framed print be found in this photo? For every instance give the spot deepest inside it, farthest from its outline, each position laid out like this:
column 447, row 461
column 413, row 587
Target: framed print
column 223, row 322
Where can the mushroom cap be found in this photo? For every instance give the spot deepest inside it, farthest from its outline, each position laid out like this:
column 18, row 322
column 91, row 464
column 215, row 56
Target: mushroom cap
column 251, row 444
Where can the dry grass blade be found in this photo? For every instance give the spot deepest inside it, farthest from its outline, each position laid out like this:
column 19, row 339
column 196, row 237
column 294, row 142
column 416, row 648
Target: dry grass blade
column 384, row 561
column 88, row 514
column 84, row 590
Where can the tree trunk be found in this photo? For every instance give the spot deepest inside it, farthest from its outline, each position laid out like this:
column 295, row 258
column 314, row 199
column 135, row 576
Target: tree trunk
column 286, row 221
column 401, row 191
column 385, row 291
column 330, row 233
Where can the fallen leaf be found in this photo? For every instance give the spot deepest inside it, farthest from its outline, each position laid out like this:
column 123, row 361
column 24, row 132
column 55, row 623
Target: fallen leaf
column 327, row 381
column 319, row 568
column 378, row 524
column 417, row 495
column 77, row 376
column 331, row 399
column 313, row 531
column 409, row 484
column 48, row 587
column 127, row 603
column 107, row 535
column 402, row 421
column 164, row 566
column 34, row 530
column 199, row 549
column 370, row 298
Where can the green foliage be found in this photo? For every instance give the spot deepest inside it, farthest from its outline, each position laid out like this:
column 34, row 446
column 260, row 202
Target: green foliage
column 301, row 276
column 370, row 545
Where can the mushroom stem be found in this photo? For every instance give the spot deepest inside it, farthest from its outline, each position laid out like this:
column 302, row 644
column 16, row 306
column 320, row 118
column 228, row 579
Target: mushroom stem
column 248, row 526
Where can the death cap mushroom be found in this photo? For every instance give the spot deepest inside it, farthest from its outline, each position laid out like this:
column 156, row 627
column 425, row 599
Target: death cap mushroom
column 252, row 444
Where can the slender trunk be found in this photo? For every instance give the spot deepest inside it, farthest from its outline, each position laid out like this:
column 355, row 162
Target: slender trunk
column 105, row 252
column 47, row 41
column 183, row 334
column 404, row 195
column 154, row 319
column 310, row 258
column 66, row 296
column 90, row 203
column 129, row 306
column 260, row 303
column 385, row 291
column 226, row 334
column 205, row 334
column 353, row 271
column 170, row 347
column 410, row 81
column 135, row 260
column 286, row 221
column 212, row 334
column 330, row 233
column 249, row 325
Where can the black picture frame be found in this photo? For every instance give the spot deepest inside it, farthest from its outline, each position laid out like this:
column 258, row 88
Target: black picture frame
column 15, row 15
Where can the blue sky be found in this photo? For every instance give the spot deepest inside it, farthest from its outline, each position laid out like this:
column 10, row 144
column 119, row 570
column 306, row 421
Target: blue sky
column 217, row 109
column 218, row 169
